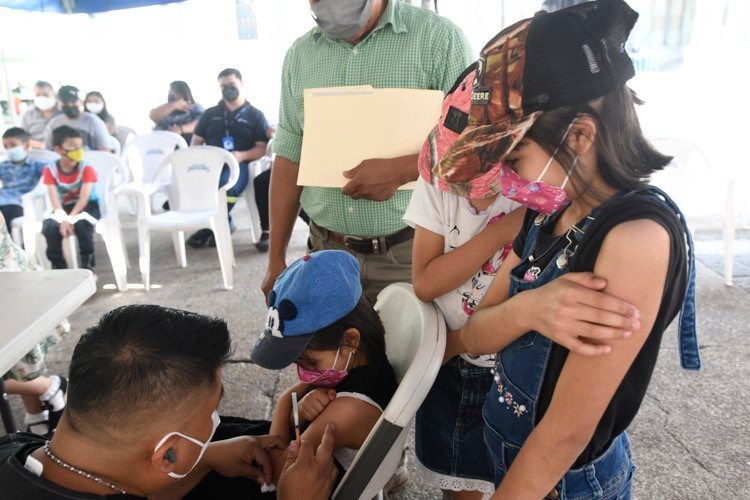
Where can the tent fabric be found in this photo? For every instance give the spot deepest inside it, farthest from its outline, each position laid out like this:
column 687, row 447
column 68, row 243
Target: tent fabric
column 79, row 6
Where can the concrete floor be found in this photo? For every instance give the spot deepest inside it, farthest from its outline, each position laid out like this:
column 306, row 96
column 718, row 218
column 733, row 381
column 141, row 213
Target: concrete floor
column 691, row 438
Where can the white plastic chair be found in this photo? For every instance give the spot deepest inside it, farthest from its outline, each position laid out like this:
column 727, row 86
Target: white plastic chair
column 255, row 168
column 195, row 203
column 143, row 155
column 415, row 336
column 704, row 194
column 124, row 135
column 36, row 205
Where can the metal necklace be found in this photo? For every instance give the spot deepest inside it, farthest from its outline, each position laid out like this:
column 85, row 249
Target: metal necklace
column 80, row 472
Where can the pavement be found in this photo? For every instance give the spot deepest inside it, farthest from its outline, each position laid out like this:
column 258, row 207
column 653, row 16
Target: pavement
column 690, row 438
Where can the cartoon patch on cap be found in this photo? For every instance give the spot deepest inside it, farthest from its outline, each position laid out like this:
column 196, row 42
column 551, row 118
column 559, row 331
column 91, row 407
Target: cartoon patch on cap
column 286, row 311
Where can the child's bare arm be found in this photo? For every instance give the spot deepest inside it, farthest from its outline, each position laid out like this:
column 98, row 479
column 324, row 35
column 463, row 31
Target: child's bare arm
column 83, row 199
column 53, row 198
column 352, row 418
column 435, row 273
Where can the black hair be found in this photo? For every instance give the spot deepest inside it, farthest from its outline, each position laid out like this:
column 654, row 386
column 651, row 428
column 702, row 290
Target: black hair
column 16, row 133
column 371, row 332
column 625, row 158
column 104, row 114
column 229, row 72
column 43, row 85
column 183, row 89
column 63, row 132
column 139, row 362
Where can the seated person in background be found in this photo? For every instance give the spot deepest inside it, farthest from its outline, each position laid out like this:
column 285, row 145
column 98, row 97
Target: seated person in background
column 43, row 395
column 242, row 129
column 70, row 185
column 19, row 174
column 96, row 104
column 35, row 119
column 92, row 129
column 319, row 319
column 145, row 387
column 180, row 113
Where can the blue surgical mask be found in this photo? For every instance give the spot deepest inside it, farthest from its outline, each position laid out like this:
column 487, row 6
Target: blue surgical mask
column 341, row 19
column 17, row 154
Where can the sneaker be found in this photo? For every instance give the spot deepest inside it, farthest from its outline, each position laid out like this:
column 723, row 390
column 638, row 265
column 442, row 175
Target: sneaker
column 262, row 244
column 201, row 238
column 399, row 478
column 55, row 415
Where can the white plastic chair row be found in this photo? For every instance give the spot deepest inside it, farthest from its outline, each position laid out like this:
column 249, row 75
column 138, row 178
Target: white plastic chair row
column 415, row 335
column 704, row 194
column 195, row 203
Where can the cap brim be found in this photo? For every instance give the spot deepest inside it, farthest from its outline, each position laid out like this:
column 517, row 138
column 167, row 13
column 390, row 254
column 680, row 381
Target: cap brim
column 471, row 166
column 274, row 353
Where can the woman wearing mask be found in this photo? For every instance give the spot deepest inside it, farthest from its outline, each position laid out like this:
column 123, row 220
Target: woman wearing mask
column 180, row 113
column 96, row 104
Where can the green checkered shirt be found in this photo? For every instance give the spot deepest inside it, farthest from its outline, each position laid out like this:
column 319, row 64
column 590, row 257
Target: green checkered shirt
column 409, row 48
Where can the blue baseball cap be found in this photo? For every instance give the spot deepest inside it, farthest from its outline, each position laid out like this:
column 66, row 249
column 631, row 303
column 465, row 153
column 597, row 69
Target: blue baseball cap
column 312, row 293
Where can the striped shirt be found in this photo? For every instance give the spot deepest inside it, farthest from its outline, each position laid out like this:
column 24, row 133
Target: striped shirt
column 410, row 47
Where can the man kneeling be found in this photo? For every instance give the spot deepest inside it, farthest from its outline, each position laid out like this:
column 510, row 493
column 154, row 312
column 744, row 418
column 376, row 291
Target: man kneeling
column 145, row 383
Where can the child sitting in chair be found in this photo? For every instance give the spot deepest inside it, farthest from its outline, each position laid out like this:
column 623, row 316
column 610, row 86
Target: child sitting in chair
column 319, row 320
column 70, row 185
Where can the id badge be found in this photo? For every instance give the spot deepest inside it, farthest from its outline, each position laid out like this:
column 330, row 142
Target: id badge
column 228, row 142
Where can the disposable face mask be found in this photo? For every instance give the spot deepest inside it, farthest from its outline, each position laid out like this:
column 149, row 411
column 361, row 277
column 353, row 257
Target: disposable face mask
column 94, row 107
column 230, row 93
column 324, row 378
column 71, row 111
column 537, row 195
column 76, row 154
column 17, row 154
column 341, row 19
column 44, row 103
column 215, row 420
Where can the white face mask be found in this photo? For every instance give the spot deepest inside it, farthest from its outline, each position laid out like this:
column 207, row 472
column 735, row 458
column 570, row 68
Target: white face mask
column 215, row 422
column 17, row 154
column 44, row 103
column 94, row 107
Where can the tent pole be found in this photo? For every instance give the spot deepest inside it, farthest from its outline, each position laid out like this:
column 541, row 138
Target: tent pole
column 9, row 90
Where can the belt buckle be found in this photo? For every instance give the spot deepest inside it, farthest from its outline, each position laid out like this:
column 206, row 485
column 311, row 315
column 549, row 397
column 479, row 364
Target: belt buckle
column 377, row 245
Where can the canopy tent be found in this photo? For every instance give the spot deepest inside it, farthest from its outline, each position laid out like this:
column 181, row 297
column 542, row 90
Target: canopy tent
column 79, row 6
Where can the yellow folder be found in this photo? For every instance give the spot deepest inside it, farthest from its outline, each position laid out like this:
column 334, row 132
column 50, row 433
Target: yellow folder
column 346, row 125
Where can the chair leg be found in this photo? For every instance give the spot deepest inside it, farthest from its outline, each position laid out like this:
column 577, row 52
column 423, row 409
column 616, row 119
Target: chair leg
column 144, row 258
column 253, row 209
column 178, row 239
column 16, row 235
column 110, row 232
column 729, row 228
column 30, row 234
column 70, row 251
column 223, row 237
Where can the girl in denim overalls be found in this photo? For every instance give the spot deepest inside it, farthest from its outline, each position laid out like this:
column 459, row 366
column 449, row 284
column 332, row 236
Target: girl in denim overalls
column 602, row 265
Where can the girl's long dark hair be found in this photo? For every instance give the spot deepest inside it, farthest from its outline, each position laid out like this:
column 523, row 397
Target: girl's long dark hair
column 371, row 332
column 626, row 159
column 182, row 88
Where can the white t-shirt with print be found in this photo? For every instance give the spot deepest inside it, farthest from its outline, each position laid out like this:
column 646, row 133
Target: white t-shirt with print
column 453, row 218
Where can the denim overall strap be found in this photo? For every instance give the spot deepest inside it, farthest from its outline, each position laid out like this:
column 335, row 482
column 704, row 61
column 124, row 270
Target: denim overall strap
column 687, row 331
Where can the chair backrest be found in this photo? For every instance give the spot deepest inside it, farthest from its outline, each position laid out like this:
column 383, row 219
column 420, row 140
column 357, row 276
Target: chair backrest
column 44, row 155
column 144, row 153
column 690, row 179
column 195, row 177
column 110, row 172
column 415, row 335
column 124, row 135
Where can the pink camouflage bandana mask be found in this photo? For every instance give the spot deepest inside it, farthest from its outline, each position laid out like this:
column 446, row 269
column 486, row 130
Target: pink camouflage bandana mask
column 453, row 119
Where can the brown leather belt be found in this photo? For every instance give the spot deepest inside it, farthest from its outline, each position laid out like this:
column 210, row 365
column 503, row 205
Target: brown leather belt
column 377, row 245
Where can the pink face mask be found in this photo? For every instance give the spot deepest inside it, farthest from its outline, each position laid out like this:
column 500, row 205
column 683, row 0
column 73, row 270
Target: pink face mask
column 537, row 195
column 324, row 378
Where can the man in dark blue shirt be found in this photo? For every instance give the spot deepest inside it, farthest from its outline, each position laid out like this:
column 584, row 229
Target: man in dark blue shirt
column 242, row 129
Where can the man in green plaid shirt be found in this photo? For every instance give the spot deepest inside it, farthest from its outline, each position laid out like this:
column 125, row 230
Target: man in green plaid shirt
column 397, row 46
